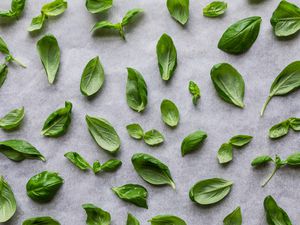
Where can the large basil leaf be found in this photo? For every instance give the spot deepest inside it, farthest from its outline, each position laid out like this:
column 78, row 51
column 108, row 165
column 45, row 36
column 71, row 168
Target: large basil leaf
column 225, row 153
column 103, row 133
column 45, row 220
column 215, row 9
column 54, row 8
column 240, row 36
column 43, row 186
column 8, row 203
column 3, row 73
column 135, row 131
column 13, row 119
column 49, row 52
column 131, row 220
column 136, row 90
column 194, row 91
column 37, row 23
column 78, row 160
column 16, row 9
column 152, row 170
column 192, row 142
column 287, row 81
column 179, row 10
column 234, row 218
column 97, row 6
column 169, row 113
column 58, row 122
column 95, row 215
column 167, row 219
column 153, row 137
column 210, row 191
column 166, row 56
column 229, row 83
column 92, row 77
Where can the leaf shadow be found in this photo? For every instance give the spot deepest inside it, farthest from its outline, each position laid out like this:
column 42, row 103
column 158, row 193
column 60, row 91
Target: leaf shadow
column 254, row 2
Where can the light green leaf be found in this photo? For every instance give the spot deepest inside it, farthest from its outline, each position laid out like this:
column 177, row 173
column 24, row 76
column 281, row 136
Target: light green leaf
column 8, row 204
column 234, row 218
column 279, row 130
column 135, row 131
column 153, row 137
column 194, row 91
column 179, row 10
column 131, row 220
column 167, row 220
column 225, row 153
column 129, row 16
column 240, row 140
column 105, row 25
column 54, row 8
column 37, row 23
column 111, row 165
column 13, row 119
column 215, row 9
column 261, row 160
column 98, row 6
column 95, row 215
column 45, row 220
column 169, row 113
column 78, row 160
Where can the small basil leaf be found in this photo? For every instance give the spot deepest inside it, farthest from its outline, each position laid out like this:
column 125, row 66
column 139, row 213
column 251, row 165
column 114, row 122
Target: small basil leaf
column 17, row 7
column 210, row 191
column 49, row 52
column 294, row 123
column 287, row 81
column 105, row 25
column 152, row 170
column 103, row 133
column 95, row 215
column 240, row 36
column 192, row 142
column 215, row 9
column 194, row 91
column 179, row 10
column 225, row 153
column 169, row 113
column 54, row 8
column 37, row 23
column 58, row 122
column 7, row 14
column 240, row 140
column 166, row 56
column 8, row 204
column 229, row 84
column 293, row 160
column 78, row 160
column 133, row 193
column 153, row 137
column 131, row 220
column 98, row 6
column 13, row 119
column 279, row 130
column 111, row 165
column 96, row 167
column 129, row 16
column 45, row 220
column 43, row 186
column 3, row 47
column 261, row 160
column 135, row 131
column 234, row 218
column 136, row 90
column 167, row 219
column 3, row 73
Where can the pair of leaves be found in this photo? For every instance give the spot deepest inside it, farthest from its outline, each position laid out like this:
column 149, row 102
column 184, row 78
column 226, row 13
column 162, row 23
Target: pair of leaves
column 132, row 220
column 194, row 91
column 225, row 152
column 128, row 18
column 45, row 220
column 281, row 129
column 95, row 215
column 179, row 10
column 13, row 119
column 16, row 9
column 43, row 186
column 287, row 81
column 228, row 83
column 215, row 9
column 169, row 113
column 152, row 170
column 234, row 218
column 167, row 219
column 210, row 191
column 192, row 142
column 8, row 204
column 98, row 6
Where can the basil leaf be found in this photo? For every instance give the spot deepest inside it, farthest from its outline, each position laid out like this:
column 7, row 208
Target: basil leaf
column 43, row 186
column 179, row 10
column 37, row 23
column 92, row 77
column 135, row 131
column 133, row 193
column 103, row 133
column 287, row 81
column 45, row 220
column 153, row 137
column 111, row 165
column 152, row 170
column 3, row 73
column 274, row 214
column 13, row 119
column 228, row 83
column 169, row 113
column 96, row 167
column 18, row 150
column 215, row 9
column 225, row 153
column 293, row 160
column 130, row 15
column 106, row 25
column 8, row 204
column 167, row 219
column 192, row 142
column 261, row 160
column 166, row 56
column 49, row 52
column 286, row 19
column 240, row 140
column 194, row 91
column 77, row 160
column 294, row 123
column 16, row 9
column 131, row 220
column 95, row 215
column 3, row 47
column 210, row 191
column 279, row 130
column 240, row 36
column 136, row 90
column 234, row 218
column 54, row 8
column 98, row 6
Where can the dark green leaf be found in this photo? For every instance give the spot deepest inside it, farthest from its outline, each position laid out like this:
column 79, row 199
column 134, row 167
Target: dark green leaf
column 153, row 137
column 98, row 6
column 45, row 220
column 8, row 204
column 215, row 9
column 279, row 130
column 129, row 16
column 3, row 73
column 234, row 218
column 194, row 91
column 295, row 123
column 3, row 47
column 293, row 160
column 169, row 113
column 240, row 140
column 13, row 119
column 225, row 153
column 111, row 165
column 261, row 160
column 37, row 23
column 167, row 220
column 179, row 10
column 192, row 142
column 135, row 131
column 131, row 220
column 54, row 8
column 95, row 215
column 78, row 160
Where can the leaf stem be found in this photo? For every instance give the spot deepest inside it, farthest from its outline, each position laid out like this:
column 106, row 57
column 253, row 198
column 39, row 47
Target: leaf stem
column 18, row 62
column 173, row 185
column 270, row 177
column 265, row 105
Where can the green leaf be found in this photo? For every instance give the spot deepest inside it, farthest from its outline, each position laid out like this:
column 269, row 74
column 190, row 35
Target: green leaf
column 279, row 130
column 240, row 36
column 287, row 81
column 103, row 133
column 261, row 160
column 135, row 131
column 240, row 140
column 153, row 137
column 54, row 8
column 225, row 153
column 133, row 193
column 194, row 91
column 96, row 167
column 3, row 73
column 92, row 77
column 215, row 9
column 49, row 52
column 58, row 122
column 111, row 165
column 169, row 113
column 13, row 119
column 8, row 204
column 98, row 6
column 131, row 220
column 228, row 83
column 129, row 16
column 43, row 186
column 179, row 10
column 136, row 90
column 293, row 160
column 167, row 219
column 95, row 215
column 166, row 57
column 192, row 142
column 105, row 25
column 45, row 220
column 210, row 191
column 37, row 23
column 78, row 160
column 3, row 47
column 152, row 170
column 16, row 9
column 294, row 123
column 18, row 150
column 234, row 218
column 286, row 19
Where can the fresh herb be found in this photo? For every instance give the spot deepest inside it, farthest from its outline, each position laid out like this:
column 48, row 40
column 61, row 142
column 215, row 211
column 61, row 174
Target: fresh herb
column 133, row 193
column 13, row 119
column 131, row 220
column 152, row 170
column 281, row 129
column 192, row 142
column 3, row 73
column 43, row 186
column 8, row 204
column 16, row 9
column 169, row 113
column 135, row 131
column 166, row 57
column 234, row 218
column 194, row 91
column 210, row 191
column 96, row 167
column 98, row 6
column 45, row 220
column 228, row 83
column 215, row 9
column 109, row 166
column 167, row 219
column 78, row 160
column 153, row 137
column 240, row 36
column 179, row 10
column 95, row 215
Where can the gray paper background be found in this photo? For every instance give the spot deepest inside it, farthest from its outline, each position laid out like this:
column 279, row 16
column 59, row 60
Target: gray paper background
column 197, row 53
